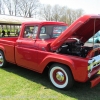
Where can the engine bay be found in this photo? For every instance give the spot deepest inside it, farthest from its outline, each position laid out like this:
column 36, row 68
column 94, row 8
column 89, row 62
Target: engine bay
column 75, row 48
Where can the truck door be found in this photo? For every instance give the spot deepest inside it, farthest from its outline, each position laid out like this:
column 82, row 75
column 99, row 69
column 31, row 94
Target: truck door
column 25, row 50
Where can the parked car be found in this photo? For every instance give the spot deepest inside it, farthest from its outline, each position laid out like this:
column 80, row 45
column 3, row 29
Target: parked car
column 96, row 38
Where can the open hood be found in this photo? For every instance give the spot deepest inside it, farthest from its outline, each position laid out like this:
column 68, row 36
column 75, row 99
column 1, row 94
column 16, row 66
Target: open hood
column 82, row 29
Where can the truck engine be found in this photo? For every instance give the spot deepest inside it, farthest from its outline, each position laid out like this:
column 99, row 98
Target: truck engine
column 75, row 47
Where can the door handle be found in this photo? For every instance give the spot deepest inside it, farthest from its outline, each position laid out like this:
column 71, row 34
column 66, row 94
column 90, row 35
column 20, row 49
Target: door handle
column 18, row 42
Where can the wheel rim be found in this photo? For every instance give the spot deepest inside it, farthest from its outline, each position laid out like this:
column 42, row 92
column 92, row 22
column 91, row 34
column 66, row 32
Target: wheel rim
column 1, row 60
column 58, row 77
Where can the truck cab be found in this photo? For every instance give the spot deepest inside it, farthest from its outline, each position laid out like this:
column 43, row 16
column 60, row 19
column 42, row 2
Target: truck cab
column 34, row 42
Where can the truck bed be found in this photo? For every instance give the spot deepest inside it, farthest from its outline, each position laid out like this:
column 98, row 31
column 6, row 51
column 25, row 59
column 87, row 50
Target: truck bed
column 7, row 44
column 8, row 40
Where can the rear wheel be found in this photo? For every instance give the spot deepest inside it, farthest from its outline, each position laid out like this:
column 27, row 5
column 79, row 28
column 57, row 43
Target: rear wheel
column 60, row 76
column 2, row 60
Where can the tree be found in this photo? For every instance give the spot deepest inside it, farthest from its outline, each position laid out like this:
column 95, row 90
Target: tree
column 2, row 10
column 27, row 8
column 63, row 14
column 46, row 12
column 56, row 13
column 15, row 6
column 72, row 15
column 50, row 13
column 8, row 4
column 0, row 6
column 59, row 13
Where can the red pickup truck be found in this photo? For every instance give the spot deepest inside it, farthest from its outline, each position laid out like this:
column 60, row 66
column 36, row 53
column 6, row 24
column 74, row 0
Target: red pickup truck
column 59, row 48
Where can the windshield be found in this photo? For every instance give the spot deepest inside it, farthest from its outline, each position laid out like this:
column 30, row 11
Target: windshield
column 97, row 34
column 95, row 38
column 51, row 31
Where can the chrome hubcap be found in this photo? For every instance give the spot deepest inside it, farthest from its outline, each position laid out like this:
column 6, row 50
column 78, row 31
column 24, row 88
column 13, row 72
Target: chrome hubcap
column 60, row 76
column 1, row 60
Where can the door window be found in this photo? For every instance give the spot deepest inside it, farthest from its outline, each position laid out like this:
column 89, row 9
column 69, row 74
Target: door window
column 30, row 31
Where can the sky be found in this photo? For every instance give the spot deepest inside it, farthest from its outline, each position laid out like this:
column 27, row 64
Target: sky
column 88, row 6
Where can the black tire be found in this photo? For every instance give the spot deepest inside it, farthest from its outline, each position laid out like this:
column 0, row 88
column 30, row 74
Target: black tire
column 98, row 41
column 60, row 76
column 3, row 62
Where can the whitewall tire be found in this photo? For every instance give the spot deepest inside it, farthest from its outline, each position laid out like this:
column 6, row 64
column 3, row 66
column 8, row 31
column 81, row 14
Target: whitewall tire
column 2, row 60
column 60, row 76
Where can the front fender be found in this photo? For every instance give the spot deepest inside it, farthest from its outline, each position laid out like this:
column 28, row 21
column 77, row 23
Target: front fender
column 56, row 59
column 78, row 66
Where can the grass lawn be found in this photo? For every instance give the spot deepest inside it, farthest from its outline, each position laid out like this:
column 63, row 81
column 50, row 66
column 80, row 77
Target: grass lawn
column 18, row 83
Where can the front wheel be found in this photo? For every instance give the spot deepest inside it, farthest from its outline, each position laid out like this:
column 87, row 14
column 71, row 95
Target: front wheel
column 60, row 76
column 2, row 60
column 97, row 41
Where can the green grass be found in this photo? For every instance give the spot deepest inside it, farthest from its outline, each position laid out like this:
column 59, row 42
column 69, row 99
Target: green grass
column 18, row 83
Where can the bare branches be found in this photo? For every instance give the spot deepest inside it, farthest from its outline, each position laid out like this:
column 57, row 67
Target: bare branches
column 15, row 6
column 30, row 8
column 46, row 12
column 58, row 13
column 27, row 8
column 2, row 10
column 9, row 6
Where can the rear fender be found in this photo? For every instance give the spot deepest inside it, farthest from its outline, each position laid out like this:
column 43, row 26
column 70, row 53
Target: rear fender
column 3, row 49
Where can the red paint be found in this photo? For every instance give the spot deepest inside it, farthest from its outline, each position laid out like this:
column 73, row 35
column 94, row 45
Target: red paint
column 95, row 81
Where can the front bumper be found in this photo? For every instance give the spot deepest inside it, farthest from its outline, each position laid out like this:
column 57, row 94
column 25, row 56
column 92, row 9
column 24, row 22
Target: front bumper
column 95, row 81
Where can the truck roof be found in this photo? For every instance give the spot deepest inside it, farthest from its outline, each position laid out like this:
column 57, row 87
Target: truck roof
column 44, row 22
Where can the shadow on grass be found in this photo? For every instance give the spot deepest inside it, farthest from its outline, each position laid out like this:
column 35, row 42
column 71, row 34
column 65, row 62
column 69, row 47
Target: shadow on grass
column 80, row 91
